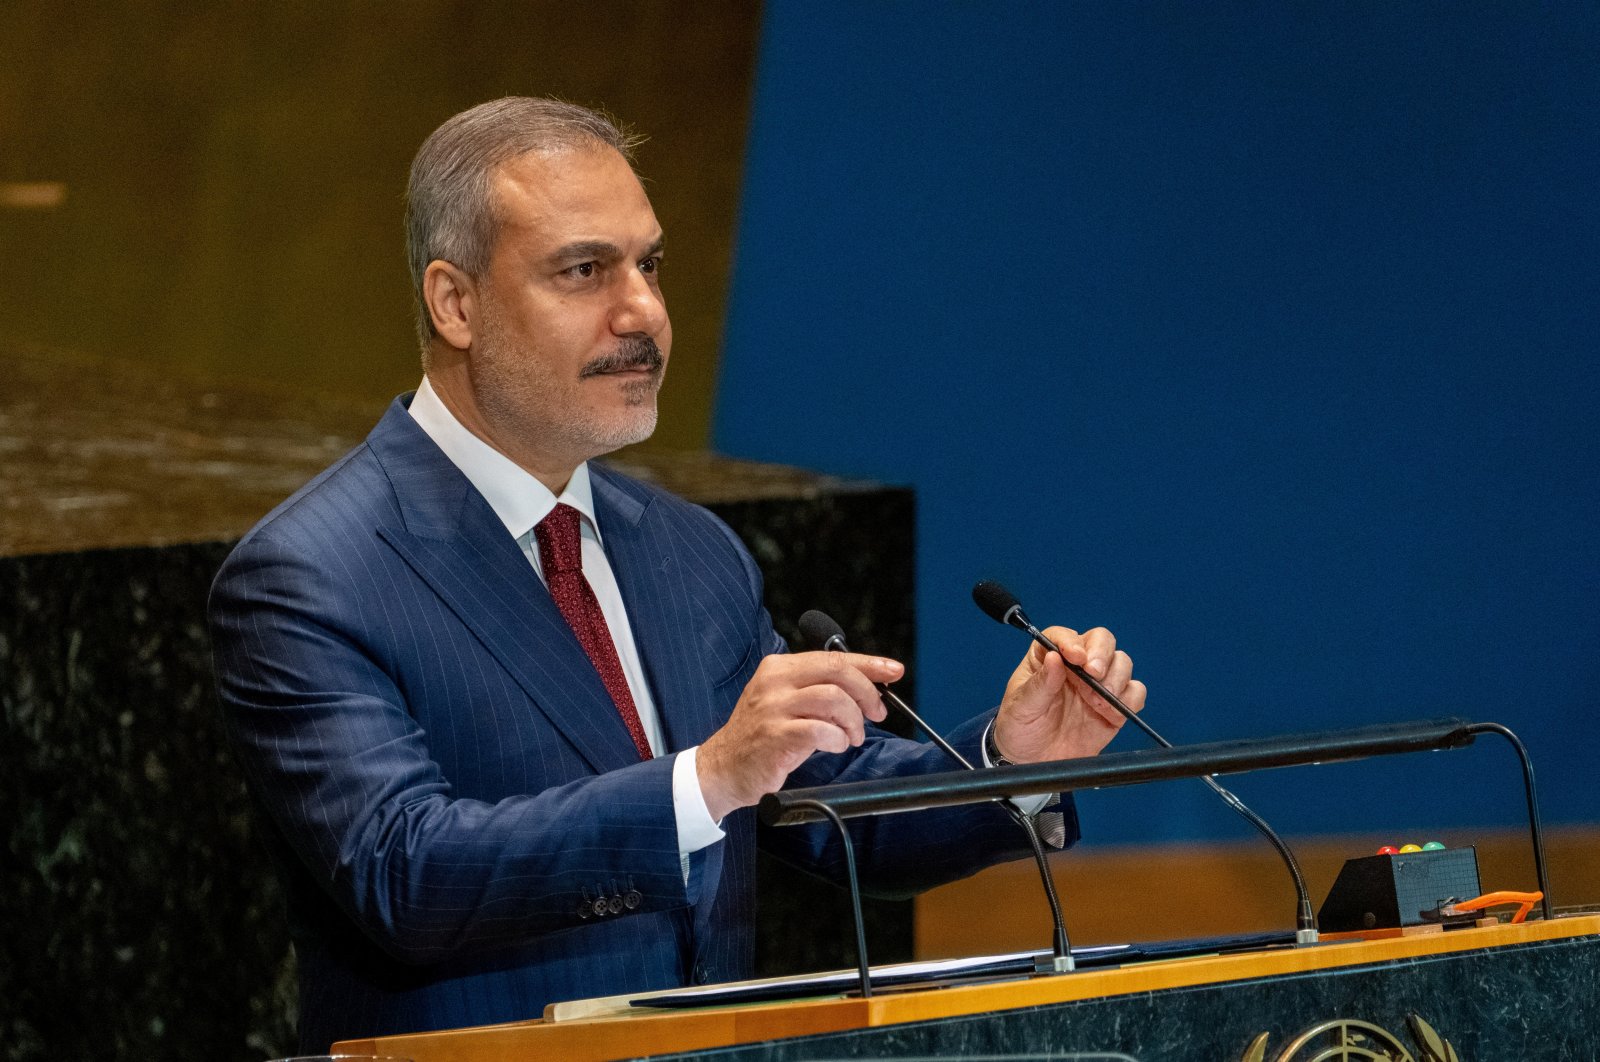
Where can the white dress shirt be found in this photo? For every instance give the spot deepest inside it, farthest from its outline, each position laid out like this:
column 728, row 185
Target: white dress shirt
column 521, row 501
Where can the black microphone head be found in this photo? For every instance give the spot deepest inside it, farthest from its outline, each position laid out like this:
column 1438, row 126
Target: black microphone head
column 996, row 601
column 820, row 630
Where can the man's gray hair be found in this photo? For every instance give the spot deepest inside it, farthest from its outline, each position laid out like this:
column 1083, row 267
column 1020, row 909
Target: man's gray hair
column 450, row 211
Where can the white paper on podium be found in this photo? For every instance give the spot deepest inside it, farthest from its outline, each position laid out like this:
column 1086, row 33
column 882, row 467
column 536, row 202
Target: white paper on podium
column 829, row 983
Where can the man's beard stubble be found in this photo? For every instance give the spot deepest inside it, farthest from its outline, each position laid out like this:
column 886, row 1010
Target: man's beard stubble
column 519, row 391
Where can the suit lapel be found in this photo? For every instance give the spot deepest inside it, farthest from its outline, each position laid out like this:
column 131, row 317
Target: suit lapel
column 649, row 560
column 452, row 540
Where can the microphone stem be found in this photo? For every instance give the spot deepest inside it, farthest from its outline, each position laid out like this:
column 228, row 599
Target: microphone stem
column 949, row 750
column 1306, row 920
column 1062, row 946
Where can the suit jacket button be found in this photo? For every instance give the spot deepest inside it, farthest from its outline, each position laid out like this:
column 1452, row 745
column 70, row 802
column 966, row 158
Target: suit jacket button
column 632, row 899
column 600, row 906
column 614, row 905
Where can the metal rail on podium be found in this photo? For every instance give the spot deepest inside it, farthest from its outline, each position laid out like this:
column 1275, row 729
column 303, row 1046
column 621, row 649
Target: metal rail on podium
column 894, row 795
column 1478, row 991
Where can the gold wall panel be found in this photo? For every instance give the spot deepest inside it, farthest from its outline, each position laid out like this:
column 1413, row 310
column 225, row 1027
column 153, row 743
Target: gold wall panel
column 217, row 188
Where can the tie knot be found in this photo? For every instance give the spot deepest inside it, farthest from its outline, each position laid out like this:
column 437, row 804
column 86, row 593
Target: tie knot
column 559, row 548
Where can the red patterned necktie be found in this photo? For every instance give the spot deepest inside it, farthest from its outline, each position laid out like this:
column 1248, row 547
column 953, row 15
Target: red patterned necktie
column 561, row 557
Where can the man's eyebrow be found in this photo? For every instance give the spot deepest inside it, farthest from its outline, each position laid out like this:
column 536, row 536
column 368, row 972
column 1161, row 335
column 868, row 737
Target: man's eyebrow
column 583, row 250
column 600, row 250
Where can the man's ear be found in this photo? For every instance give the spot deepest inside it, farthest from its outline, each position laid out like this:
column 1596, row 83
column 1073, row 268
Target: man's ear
column 452, row 300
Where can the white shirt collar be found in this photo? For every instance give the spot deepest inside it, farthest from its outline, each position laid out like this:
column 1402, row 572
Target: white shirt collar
column 516, row 496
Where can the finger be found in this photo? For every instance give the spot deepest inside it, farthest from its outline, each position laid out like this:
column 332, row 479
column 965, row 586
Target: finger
column 821, row 666
column 1094, row 704
column 1119, row 673
column 814, row 735
column 1032, row 660
column 1036, row 655
column 851, row 672
column 1134, row 694
column 1099, row 645
column 829, row 704
column 872, row 668
column 822, row 702
column 1070, row 644
column 1039, row 692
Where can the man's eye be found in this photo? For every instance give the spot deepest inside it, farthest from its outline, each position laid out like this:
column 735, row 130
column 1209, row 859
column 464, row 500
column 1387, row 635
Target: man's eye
column 650, row 265
column 583, row 269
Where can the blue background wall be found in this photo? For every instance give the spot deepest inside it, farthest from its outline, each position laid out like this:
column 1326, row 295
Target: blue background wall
column 1263, row 334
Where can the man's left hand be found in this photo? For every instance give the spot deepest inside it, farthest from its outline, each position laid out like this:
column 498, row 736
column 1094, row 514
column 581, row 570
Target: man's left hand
column 1049, row 713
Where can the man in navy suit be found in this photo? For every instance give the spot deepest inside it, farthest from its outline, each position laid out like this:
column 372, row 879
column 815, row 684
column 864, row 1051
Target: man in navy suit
column 507, row 712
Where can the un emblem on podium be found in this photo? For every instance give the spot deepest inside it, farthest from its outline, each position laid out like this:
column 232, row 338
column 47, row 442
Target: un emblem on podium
column 1347, row 1040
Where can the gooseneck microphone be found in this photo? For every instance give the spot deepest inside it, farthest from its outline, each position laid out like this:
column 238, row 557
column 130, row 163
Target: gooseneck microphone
column 1002, row 606
column 821, row 631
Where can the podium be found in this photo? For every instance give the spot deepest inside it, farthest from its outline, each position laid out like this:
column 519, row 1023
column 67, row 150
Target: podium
column 1487, row 993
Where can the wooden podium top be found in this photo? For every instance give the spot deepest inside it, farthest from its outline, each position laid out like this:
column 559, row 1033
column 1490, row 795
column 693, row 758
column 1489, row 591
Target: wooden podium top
column 645, row 1032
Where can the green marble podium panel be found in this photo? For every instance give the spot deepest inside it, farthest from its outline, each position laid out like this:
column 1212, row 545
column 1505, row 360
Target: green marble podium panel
column 1513, row 1003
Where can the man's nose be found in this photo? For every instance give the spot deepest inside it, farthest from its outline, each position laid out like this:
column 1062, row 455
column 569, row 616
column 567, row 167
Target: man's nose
column 640, row 309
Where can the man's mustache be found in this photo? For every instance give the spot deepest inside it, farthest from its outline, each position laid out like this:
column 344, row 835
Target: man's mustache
column 634, row 352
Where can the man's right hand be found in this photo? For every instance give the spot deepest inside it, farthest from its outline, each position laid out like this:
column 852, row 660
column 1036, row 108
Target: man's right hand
column 794, row 705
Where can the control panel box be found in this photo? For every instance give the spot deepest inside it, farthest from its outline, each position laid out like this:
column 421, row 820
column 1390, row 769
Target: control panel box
column 1393, row 891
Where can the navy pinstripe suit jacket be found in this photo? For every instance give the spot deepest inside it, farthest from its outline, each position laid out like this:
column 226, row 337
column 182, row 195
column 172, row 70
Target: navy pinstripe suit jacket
column 445, row 779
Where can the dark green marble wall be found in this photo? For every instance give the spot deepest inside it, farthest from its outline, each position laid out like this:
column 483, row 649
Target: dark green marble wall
column 141, row 918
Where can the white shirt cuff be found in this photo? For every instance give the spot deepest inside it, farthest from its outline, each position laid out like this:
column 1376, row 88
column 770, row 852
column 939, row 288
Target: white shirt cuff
column 695, row 828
